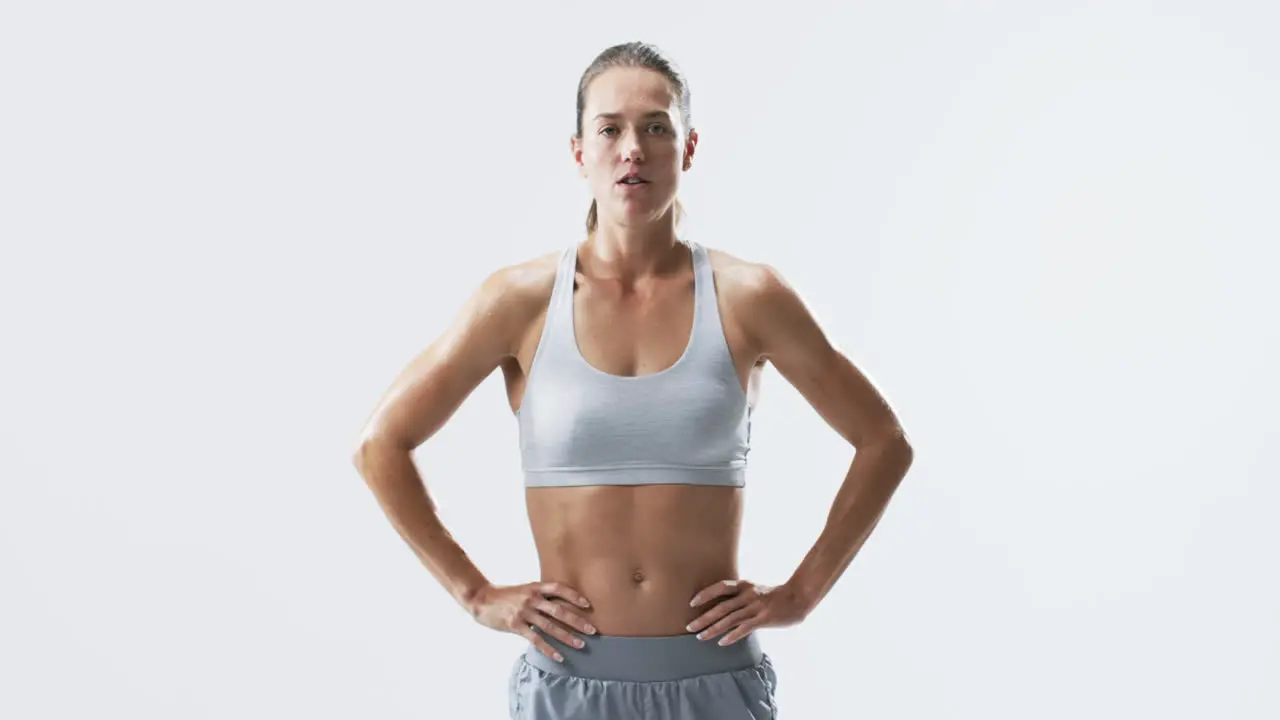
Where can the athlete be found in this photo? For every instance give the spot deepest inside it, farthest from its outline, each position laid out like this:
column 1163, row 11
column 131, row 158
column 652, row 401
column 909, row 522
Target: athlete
column 632, row 360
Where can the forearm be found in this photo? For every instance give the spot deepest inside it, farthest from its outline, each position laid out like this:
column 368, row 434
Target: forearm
column 391, row 474
column 874, row 475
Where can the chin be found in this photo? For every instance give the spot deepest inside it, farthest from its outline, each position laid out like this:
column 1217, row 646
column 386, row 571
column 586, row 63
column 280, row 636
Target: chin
column 639, row 216
column 642, row 212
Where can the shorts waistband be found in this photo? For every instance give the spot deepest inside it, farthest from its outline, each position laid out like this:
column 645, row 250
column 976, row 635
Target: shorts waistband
column 647, row 659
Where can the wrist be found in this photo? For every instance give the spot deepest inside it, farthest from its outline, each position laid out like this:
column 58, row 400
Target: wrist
column 472, row 596
column 801, row 596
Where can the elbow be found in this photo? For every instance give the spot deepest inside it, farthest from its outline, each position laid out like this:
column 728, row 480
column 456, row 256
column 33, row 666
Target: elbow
column 893, row 442
column 371, row 446
column 360, row 457
column 905, row 452
column 899, row 439
column 908, row 455
column 363, row 446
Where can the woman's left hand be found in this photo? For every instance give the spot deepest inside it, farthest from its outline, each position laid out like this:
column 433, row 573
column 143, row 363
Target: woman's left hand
column 745, row 607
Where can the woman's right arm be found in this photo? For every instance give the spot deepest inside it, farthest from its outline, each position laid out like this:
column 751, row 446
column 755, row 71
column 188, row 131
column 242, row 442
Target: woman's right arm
column 489, row 329
column 419, row 401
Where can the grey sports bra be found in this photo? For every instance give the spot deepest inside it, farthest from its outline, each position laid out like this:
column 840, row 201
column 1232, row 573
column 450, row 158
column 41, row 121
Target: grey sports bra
column 687, row 424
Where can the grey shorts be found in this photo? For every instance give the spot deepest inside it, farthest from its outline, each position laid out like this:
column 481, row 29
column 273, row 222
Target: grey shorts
column 676, row 677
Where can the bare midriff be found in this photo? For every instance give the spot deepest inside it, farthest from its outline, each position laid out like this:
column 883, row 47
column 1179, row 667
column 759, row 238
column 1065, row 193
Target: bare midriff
column 638, row 553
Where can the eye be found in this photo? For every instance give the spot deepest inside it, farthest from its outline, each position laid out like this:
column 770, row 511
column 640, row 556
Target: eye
column 607, row 129
column 660, row 128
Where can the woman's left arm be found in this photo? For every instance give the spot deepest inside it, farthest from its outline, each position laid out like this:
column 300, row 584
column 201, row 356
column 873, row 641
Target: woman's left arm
column 785, row 333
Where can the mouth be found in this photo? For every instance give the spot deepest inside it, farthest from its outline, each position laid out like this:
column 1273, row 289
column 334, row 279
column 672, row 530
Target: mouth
column 633, row 180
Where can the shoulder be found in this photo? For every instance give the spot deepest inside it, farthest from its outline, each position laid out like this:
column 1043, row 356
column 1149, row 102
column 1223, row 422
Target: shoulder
column 511, row 297
column 754, row 296
column 749, row 283
column 517, row 285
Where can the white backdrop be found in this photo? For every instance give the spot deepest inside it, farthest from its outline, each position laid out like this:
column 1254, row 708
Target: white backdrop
column 1046, row 230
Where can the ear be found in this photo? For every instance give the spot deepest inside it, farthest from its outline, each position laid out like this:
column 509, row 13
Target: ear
column 575, row 147
column 690, row 146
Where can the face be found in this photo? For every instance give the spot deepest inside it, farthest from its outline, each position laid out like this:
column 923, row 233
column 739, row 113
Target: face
column 631, row 125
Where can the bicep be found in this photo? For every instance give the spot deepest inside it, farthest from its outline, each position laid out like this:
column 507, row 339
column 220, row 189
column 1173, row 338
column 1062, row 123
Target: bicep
column 431, row 387
column 791, row 339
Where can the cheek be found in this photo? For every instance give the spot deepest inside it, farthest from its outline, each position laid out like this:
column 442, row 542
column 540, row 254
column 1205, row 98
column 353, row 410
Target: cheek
column 601, row 174
column 670, row 156
column 595, row 159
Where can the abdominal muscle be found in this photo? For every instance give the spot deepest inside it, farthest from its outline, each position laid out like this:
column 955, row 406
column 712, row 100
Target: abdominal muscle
column 638, row 553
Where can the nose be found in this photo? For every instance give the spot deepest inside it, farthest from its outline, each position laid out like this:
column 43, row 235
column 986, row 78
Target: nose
column 630, row 148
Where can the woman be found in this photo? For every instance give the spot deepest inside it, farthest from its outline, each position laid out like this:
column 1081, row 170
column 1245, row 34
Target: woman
column 632, row 361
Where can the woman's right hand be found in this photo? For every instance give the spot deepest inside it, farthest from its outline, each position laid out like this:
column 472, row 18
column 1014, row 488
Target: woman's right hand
column 519, row 608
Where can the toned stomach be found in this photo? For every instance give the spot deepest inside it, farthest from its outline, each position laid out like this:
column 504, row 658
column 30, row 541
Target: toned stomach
column 638, row 553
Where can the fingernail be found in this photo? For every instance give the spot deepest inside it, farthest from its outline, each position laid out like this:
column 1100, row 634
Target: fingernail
column 584, row 603
column 559, row 657
column 693, row 602
column 577, row 643
column 702, row 635
column 591, row 629
column 723, row 641
column 689, row 627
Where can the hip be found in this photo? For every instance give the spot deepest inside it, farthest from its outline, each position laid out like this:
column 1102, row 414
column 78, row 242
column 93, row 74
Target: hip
column 675, row 677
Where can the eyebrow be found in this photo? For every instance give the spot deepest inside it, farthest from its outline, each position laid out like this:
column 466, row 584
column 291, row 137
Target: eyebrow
column 614, row 116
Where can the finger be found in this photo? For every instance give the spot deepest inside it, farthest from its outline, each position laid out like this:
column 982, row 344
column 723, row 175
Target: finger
column 564, row 615
column 551, row 628
column 720, row 589
column 538, row 642
column 554, row 589
column 728, row 622
column 721, row 609
column 741, row 631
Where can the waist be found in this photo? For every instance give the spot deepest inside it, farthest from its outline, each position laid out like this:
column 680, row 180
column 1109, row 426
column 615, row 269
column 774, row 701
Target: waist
column 639, row 554
column 718, row 475
column 643, row 604
column 647, row 659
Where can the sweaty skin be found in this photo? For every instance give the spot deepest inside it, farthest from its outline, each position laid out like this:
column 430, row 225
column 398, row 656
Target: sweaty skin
column 639, row 553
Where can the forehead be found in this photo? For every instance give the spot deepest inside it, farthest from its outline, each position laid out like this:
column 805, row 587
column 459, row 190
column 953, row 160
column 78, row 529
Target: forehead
column 629, row 90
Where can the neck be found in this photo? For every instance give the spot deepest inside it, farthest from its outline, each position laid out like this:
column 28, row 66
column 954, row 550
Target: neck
column 631, row 251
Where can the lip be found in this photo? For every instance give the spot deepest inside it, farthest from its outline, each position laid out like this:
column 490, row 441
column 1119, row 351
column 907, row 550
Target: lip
column 632, row 187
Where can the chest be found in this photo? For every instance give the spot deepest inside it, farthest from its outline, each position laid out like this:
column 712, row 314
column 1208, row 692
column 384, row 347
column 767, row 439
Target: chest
column 636, row 330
